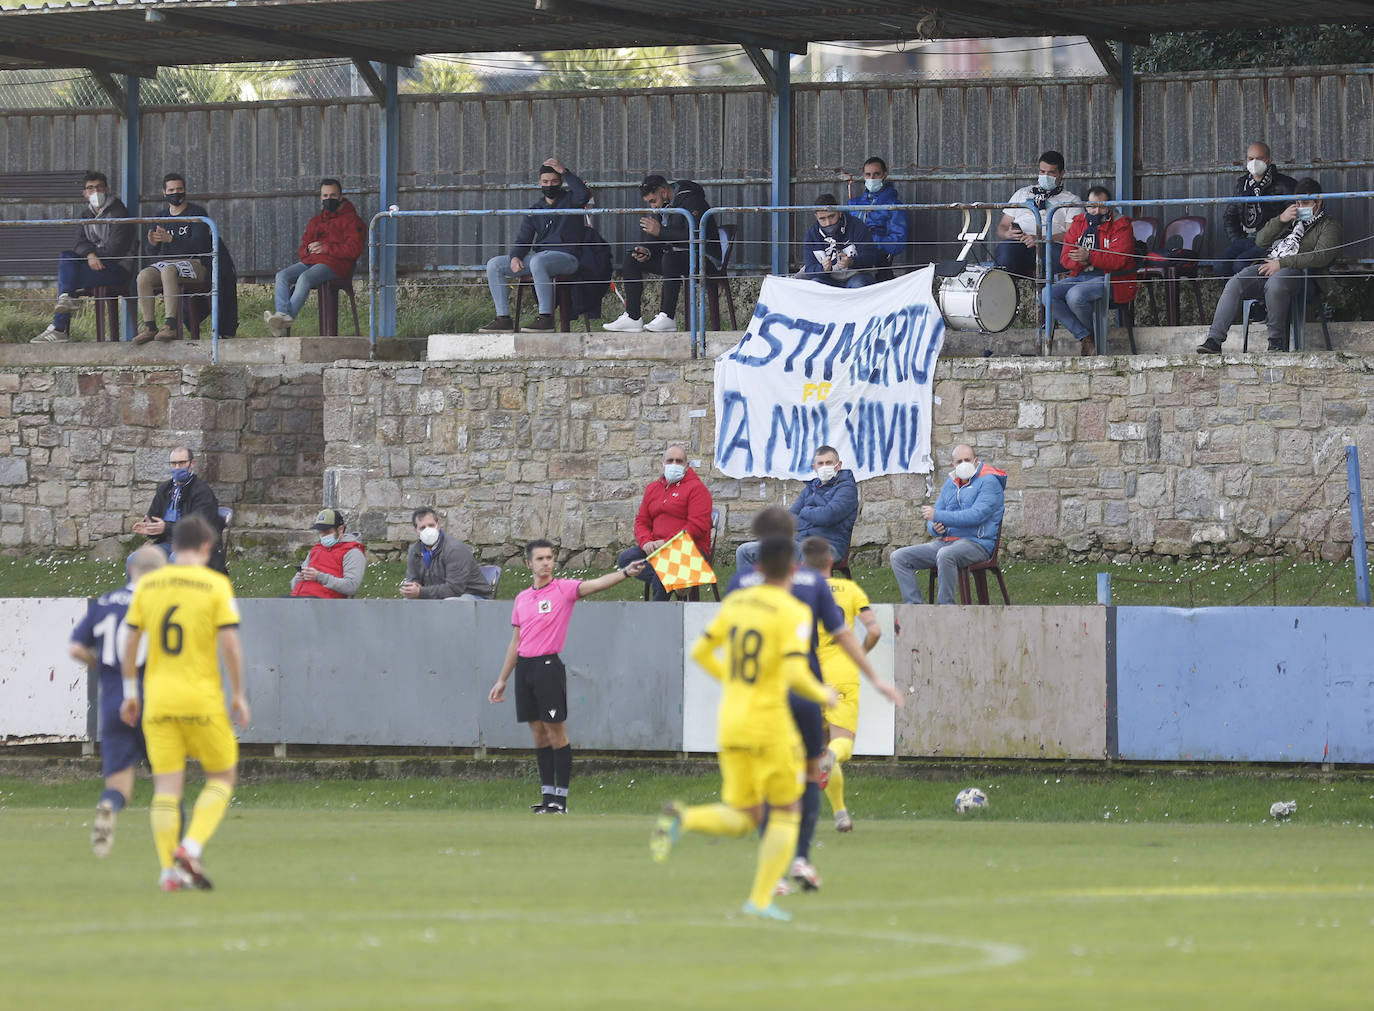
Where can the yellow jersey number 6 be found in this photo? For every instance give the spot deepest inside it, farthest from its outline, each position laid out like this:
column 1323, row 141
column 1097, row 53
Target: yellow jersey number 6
column 171, row 633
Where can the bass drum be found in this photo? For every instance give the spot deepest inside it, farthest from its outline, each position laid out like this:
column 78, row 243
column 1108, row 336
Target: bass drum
column 980, row 298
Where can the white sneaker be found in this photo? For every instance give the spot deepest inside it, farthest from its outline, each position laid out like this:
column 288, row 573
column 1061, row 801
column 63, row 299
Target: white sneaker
column 625, row 324
column 102, row 829
column 662, row 323
column 277, row 322
column 782, row 887
column 843, row 823
column 805, row 875
column 66, row 302
column 52, row 335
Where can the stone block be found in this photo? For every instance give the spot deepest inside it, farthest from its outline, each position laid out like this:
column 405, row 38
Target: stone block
column 1030, row 415
column 1039, row 512
column 1069, row 386
column 52, row 493
column 13, row 470
column 1195, row 495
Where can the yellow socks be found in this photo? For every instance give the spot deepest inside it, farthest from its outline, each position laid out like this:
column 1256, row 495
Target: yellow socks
column 716, row 819
column 775, row 853
column 166, row 819
column 843, row 749
column 208, row 812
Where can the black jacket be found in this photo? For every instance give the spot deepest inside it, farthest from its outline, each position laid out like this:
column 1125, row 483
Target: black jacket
column 228, row 295
column 115, row 244
column 196, row 498
column 593, row 274
column 190, row 239
column 539, row 232
column 1233, row 221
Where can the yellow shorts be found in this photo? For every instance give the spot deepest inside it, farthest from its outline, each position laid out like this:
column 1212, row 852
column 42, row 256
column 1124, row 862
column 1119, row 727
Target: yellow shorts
column 845, row 714
column 174, row 737
column 775, row 773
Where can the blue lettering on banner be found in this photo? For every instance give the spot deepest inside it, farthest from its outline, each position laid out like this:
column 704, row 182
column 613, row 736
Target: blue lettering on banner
column 738, row 438
column 876, row 431
column 803, row 431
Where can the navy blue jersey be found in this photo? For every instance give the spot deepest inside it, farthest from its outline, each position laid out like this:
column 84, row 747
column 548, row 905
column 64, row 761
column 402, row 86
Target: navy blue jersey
column 810, row 587
column 104, row 632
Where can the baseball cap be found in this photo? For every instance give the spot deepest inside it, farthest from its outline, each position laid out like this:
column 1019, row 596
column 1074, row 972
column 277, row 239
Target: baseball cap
column 327, row 519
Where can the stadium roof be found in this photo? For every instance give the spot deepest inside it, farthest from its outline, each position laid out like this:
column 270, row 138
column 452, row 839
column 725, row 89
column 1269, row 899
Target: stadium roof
column 133, row 37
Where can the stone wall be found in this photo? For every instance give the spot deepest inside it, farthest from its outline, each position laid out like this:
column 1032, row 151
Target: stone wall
column 1107, row 456
column 83, row 449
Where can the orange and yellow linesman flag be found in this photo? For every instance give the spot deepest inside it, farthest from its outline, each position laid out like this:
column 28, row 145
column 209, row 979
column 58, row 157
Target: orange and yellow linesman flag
column 680, row 563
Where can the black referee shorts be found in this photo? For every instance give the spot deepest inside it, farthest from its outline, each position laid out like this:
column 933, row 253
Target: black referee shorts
column 541, row 689
column 810, row 721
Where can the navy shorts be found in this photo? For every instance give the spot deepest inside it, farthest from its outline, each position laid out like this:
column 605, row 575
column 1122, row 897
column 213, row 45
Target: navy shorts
column 120, row 744
column 811, row 722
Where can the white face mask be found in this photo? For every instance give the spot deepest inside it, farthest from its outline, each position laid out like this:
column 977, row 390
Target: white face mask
column 96, row 200
column 429, row 536
column 874, row 185
column 965, row 470
column 826, row 473
column 674, row 472
column 1048, row 182
column 1257, row 167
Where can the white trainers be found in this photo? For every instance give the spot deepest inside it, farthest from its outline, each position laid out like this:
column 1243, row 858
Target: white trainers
column 782, row 887
column 52, row 335
column 277, row 323
column 662, row 323
column 66, row 302
column 625, row 324
column 805, row 875
column 102, row 829
column 843, row 823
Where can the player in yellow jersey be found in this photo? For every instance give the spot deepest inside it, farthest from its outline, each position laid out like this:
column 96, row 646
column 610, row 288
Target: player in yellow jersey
column 842, row 674
column 766, row 634
column 188, row 613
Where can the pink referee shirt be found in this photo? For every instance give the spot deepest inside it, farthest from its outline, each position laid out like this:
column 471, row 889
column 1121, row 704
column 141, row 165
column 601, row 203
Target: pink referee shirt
column 542, row 616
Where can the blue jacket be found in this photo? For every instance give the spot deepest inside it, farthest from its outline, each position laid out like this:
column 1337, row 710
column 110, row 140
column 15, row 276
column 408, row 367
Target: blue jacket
column 889, row 228
column 852, row 232
column 973, row 510
column 828, row 510
column 564, row 232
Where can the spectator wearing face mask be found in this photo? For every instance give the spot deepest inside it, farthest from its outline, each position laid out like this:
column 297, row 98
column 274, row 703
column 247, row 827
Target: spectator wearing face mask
column 1242, row 222
column 329, row 250
column 184, row 494
column 180, row 253
column 675, row 502
column 889, row 227
column 439, row 567
column 1019, row 229
column 827, row 507
column 335, row 566
column 839, row 248
column 1303, row 236
column 964, row 521
column 1100, row 244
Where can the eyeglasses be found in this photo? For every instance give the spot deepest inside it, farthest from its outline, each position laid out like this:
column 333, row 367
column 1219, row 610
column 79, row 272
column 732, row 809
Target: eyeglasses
column 180, row 463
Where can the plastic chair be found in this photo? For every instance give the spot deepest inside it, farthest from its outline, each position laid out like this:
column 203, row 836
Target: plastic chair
column 717, row 282
column 1125, row 311
column 491, row 573
column 1189, row 230
column 187, row 316
column 1297, row 317
column 328, row 296
column 563, row 295
column 694, row 592
column 1147, row 233
column 979, row 572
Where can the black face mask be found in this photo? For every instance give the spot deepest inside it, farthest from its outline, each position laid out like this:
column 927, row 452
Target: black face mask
column 830, row 231
column 176, row 199
column 331, row 203
column 552, row 192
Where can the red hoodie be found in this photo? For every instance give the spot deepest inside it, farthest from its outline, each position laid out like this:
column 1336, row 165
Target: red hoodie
column 342, row 234
column 667, row 509
column 1113, row 254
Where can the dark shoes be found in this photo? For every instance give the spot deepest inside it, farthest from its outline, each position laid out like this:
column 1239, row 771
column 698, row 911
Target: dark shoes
column 1278, row 346
column 1087, row 346
column 501, row 324
column 1209, row 347
column 544, row 322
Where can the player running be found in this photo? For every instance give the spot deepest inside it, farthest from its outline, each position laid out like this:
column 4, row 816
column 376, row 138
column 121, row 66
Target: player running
column 765, row 632
column 186, row 610
column 840, row 673
column 97, row 641
column 541, row 616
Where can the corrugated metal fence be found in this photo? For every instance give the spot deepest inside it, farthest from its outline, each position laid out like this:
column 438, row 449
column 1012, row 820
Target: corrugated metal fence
column 256, row 166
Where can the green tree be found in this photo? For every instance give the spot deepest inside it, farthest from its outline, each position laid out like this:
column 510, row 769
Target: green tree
column 1302, row 46
column 578, row 70
column 440, row 76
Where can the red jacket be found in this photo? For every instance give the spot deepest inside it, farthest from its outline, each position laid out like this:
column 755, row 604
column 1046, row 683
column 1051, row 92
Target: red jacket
column 1113, row 254
column 342, row 233
column 330, row 562
column 667, row 509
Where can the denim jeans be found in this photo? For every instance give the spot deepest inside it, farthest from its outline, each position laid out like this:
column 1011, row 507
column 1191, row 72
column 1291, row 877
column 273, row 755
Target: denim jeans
column 75, row 274
column 1074, row 299
column 543, row 266
column 1236, row 257
column 295, row 282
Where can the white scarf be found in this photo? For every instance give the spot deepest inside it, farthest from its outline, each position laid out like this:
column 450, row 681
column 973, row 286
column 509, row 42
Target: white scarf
column 1288, row 245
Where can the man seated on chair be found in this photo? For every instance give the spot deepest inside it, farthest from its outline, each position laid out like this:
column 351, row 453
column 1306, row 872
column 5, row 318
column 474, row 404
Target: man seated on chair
column 1303, row 236
column 1242, row 222
column 336, row 564
column 666, row 250
column 675, row 502
column 440, row 567
column 180, row 254
column 330, row 248
column 1019, row 230
column 101, row 258
column 889, row 227
column 547, row 246
column 1099, row 243
column 839, row 248
column 964, row 521
column 184, row 494
column 827, row 507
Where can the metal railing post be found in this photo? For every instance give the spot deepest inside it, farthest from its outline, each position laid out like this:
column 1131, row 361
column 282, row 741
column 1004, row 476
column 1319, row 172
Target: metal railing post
column 1357, row 542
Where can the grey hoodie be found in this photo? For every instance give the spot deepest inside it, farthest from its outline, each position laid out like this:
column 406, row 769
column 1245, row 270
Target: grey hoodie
column 104, row 235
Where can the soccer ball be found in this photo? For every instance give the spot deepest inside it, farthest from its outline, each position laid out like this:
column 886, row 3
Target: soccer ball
column 971, row 799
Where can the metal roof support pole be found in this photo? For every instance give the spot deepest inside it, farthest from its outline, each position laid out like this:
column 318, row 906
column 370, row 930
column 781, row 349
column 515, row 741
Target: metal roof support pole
column 129, row 178
column 389, row 188
column 780, row 194
column 1125, row 126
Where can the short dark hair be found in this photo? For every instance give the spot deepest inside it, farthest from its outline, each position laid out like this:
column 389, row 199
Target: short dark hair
column 1099, row 188
column 827, row 200
column 539, row 542
column 775, row 521
column 173, row 177
column 326, row 181
column 875, row 160
column 191, row 534
column 652, row 184
column 423, row 511
column 816, row 552
column 826, row 449
column 1053, row 158
column 775, row 556
column 1307, row 186
column 94, row 177
column 550, row 168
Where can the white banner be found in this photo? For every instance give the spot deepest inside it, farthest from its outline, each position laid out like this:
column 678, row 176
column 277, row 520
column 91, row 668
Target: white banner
column 847, row 367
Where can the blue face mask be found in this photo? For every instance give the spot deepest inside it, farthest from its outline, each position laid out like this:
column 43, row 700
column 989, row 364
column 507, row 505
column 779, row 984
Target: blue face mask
column 874, row 185
column 1306, row 213
column 328, row 540
column 674, row 472
column 181, row 474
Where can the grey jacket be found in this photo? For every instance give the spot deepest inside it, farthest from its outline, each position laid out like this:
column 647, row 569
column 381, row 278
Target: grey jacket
column 452, row 570
column 104, row 235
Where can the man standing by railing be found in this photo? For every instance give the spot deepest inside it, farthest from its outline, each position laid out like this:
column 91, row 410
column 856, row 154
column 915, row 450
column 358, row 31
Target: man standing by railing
column 101, row 258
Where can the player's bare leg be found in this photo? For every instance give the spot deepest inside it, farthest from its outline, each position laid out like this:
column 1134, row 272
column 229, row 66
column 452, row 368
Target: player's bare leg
column 119, row 790
column 553, row 755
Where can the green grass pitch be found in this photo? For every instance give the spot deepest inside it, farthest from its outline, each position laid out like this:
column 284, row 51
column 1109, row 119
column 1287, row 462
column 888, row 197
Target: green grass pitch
column 446, row 893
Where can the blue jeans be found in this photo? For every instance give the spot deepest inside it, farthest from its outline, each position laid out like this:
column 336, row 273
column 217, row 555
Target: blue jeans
column 1017, row 259
column 75, row 274
column 543, row 266
column 1074, row 299
column 295, row 282
column 1236, row 257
